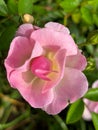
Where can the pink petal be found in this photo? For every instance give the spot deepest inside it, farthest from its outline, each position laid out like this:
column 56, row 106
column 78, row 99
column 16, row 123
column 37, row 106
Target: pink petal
column 60, row 57
column 76, row 61
column 72, row 87
column 50, row 39
column 30, row 88
column 41, row 67
column 55, row 107
column 76, row 84
column 57, row 27
column 15, row 63
column 95, row 84
column 25, row 30
column 20, row 51
column 92, row 106
column 86, row 114
column 8, row 70
column 37, row 50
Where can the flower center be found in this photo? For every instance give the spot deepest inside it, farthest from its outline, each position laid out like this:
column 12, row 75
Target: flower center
column 41, row 67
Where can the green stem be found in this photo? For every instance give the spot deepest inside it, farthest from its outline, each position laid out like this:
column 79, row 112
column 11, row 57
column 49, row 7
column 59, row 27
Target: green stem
column 14, row 122
column 61, row 122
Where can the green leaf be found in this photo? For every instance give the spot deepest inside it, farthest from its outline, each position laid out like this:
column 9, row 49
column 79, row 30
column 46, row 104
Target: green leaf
column 93, row 38
column 95, row 120
column 91, row 74
column 93, row 3
column 87, row 15
column 3, row 8
column 69, row 5
column 25, row 6
column 90, row 48
column 92, row 94
column 13, row 6
column 6, row 37
column 95, row 17
column 91, row 65
column 75, row 112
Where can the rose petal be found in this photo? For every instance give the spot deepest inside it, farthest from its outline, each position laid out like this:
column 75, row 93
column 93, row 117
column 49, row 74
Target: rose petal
column 37, row 50
column 30, row 88
column 20, row 51
column 76, row 84
column 11, row 65
column 76, row 61
column 86, row 114
column 50, row 38
column 57, row 27
column 55, row 107
column 72, row 87
column 56, row 77
column 8, row 70
column 95, row 84
column 25, row 30
column 92, row 106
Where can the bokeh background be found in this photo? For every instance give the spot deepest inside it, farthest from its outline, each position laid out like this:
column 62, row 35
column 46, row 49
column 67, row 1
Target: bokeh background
column 81, row 17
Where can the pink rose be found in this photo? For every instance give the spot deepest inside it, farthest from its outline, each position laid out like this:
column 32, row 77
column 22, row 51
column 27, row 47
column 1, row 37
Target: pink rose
column 90, row 106
column 45, row 65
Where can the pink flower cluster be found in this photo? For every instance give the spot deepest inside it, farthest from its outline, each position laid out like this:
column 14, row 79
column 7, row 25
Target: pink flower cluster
column 90, row 106
column 45, row 65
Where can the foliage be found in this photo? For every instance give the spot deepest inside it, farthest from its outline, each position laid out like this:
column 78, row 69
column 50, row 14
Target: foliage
column 92, row 94
column 81, row 17
column 73, row 115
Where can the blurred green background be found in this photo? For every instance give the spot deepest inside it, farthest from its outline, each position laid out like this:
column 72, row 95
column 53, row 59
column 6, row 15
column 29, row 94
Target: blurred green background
column 81, row 17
